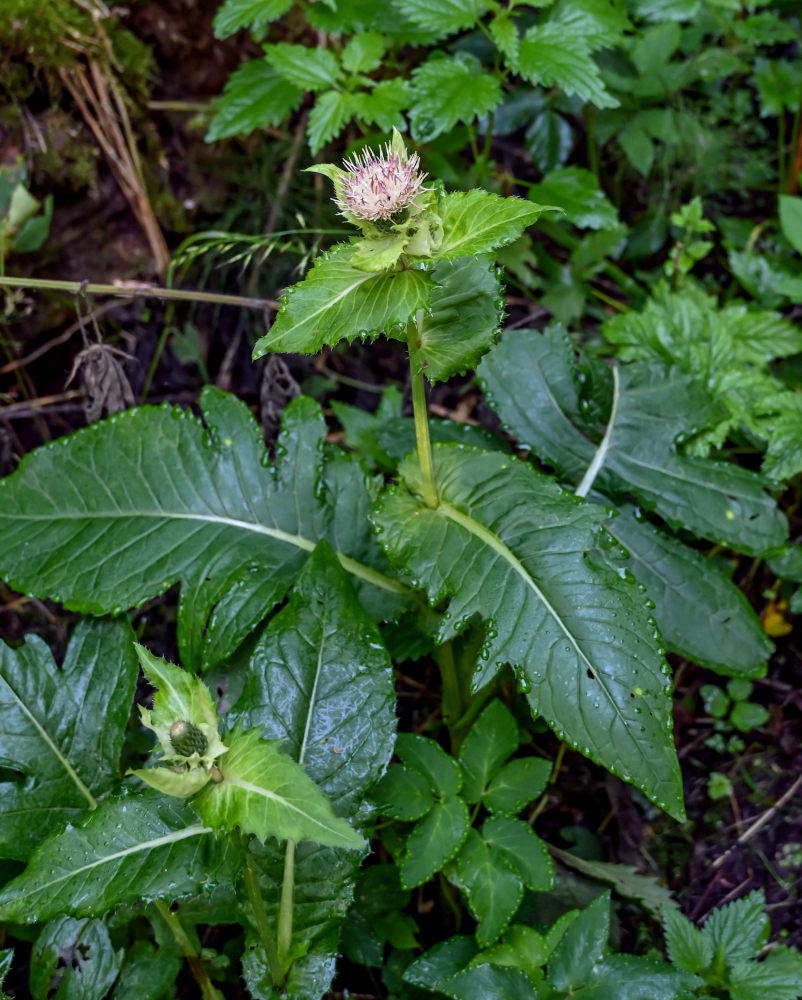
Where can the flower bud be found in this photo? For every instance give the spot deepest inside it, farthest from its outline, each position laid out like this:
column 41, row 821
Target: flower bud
column 186, row 738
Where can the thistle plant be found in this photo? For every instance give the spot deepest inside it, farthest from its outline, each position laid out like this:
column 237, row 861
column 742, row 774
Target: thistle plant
column 292, row 574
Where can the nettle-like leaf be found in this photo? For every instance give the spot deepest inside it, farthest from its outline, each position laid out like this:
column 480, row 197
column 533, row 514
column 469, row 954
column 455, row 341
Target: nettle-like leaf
column 336, row 301
column 61, row 729
column 738, row 930
column 188, row 504
column 729, row 350
column 506, row 543
column 442, row 16
column 777, row 977
column 304, row 67
column 233, row 15
column 532, row 381
column 319, row 681
column 133, row 847
column 688, row 948
column 577, row 193
column 549, row 56
column 447, row 90
column 265, row 792
column 254, row 96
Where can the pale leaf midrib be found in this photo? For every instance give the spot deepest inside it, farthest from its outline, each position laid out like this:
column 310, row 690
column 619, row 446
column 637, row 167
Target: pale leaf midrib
column 353, row 566
column 280, row 800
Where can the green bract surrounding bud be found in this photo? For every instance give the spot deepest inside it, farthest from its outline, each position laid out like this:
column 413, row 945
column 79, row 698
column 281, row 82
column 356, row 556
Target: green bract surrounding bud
column 184, row 719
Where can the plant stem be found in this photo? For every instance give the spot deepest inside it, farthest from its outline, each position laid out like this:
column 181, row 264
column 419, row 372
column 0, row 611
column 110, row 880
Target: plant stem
column 262, row 923
column 452, row 692
column 421, row 418
column 136, row 289
column 188, row 950
column 287, row 903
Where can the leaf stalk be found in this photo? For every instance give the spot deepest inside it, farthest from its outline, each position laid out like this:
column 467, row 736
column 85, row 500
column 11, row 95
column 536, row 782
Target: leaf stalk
column 286, row 904
column 429, row 488
column 262, row 923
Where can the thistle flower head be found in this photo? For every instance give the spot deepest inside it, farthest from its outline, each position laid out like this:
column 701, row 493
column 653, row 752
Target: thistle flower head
column 376, row 187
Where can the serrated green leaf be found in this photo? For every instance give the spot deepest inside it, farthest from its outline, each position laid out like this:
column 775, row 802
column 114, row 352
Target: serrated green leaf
column 518, row 782
column 463, row 318
column 384, row 105
column 403, row 794
column 61, row 729
column 332, row 111
column 441, row 962
column 504, row 32
column 629, row 977
column 531, row 380
column 265, row 792
column 132, row 847
column 254, row 14
column 701, row 613
column 92, row 965
column 493, row 891
column 581, row 947
column 478, row 982
column 491, row 740
column 577, row 193
column 442, row 16
column 304, row 67
column 185, row 505
column 363, row 53
column 424, row 755
column 522, row 850
column 506, row 543
column 600, row 23
column 336, row 301
column 777, row 82
column 778, row 977
column 450, row 90
column 549, row 56
column 254, row 96
column 320, row 680
column 476, row 222
column 688, row 948
column 738, row 929
column 434, row 840
column 791, row 220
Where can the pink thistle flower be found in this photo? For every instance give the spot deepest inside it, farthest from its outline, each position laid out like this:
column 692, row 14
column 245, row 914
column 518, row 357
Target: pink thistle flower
column 377, row 187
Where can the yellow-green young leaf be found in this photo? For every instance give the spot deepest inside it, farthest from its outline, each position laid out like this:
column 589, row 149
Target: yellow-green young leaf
column 336, row 301
column 263, row 791
column 476, row 222
column 62, row 730
column 507, row 544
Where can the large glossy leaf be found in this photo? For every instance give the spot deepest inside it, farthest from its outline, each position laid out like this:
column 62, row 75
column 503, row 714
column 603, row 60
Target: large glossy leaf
column 319, row 680
column 534, row 386
column 701, row 613
column 133, row 847
column 336, row 301
column 506, row 543
column 124, row 509
column 62, row 729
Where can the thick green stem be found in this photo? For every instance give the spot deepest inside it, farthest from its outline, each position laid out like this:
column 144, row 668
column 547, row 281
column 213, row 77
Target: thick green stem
column 136, row 289
column 287, row 903
column 421, row 417
column 453, row 705
column 262, row 923
column 188, row 950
